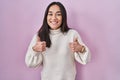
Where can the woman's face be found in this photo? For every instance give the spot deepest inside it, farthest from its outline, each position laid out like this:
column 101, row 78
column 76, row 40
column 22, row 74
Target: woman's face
column 54, row 17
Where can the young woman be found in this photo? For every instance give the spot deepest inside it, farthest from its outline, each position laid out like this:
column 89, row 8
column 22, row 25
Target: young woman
column 56, row 46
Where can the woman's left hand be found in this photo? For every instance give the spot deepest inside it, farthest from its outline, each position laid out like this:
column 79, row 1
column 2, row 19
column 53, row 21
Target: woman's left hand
column 75, row 46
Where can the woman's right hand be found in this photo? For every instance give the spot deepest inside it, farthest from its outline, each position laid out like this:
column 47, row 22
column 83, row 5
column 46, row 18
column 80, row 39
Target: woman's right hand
column 40, row 46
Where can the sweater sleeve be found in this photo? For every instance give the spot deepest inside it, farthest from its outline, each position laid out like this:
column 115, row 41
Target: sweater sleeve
column 32, row 58
column 82, row 58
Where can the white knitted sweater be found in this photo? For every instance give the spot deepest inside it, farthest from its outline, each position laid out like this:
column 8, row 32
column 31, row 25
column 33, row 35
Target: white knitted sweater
column 58, row 61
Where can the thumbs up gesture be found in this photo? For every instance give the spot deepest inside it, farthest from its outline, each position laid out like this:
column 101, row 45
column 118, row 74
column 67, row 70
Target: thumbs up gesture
column 75, row 46
column 40, row 46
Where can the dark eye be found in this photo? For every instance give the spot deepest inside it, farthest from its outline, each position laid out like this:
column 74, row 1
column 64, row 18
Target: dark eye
column 59, row 14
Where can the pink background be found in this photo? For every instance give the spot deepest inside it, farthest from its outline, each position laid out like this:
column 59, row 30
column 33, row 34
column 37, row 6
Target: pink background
column 98, row 22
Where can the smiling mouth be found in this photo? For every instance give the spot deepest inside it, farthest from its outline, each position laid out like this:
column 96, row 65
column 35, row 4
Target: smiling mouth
column 54, row 22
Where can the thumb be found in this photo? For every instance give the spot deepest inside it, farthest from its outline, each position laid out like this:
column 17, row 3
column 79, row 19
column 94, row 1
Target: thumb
column 38, row 39
column 75, row 39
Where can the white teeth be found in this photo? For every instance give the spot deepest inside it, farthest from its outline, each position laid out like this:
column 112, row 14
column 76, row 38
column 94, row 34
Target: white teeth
column 54, row 23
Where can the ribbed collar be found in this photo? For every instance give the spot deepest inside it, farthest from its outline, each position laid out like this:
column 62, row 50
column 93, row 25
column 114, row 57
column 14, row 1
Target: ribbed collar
column 57, row 31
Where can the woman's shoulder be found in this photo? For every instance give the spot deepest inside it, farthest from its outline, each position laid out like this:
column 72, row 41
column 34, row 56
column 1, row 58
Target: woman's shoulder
column 72, row 31
column 35, row 36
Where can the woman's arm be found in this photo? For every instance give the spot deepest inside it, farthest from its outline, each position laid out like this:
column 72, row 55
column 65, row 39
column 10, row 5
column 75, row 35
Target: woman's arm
column 33, row 58
column 83, row 54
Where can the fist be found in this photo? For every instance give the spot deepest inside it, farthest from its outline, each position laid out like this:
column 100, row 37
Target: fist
column 75, row 46
column 40, row 46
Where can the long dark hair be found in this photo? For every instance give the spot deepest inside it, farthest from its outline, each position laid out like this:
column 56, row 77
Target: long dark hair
column 44, row 31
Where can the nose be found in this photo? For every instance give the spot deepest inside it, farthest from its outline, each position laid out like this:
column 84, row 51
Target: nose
column 54, row 17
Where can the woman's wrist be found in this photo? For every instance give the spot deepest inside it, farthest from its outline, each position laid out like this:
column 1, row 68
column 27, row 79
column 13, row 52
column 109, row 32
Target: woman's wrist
column 82, row 49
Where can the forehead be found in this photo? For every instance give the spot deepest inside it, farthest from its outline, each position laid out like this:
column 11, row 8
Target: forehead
column 54, row 8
